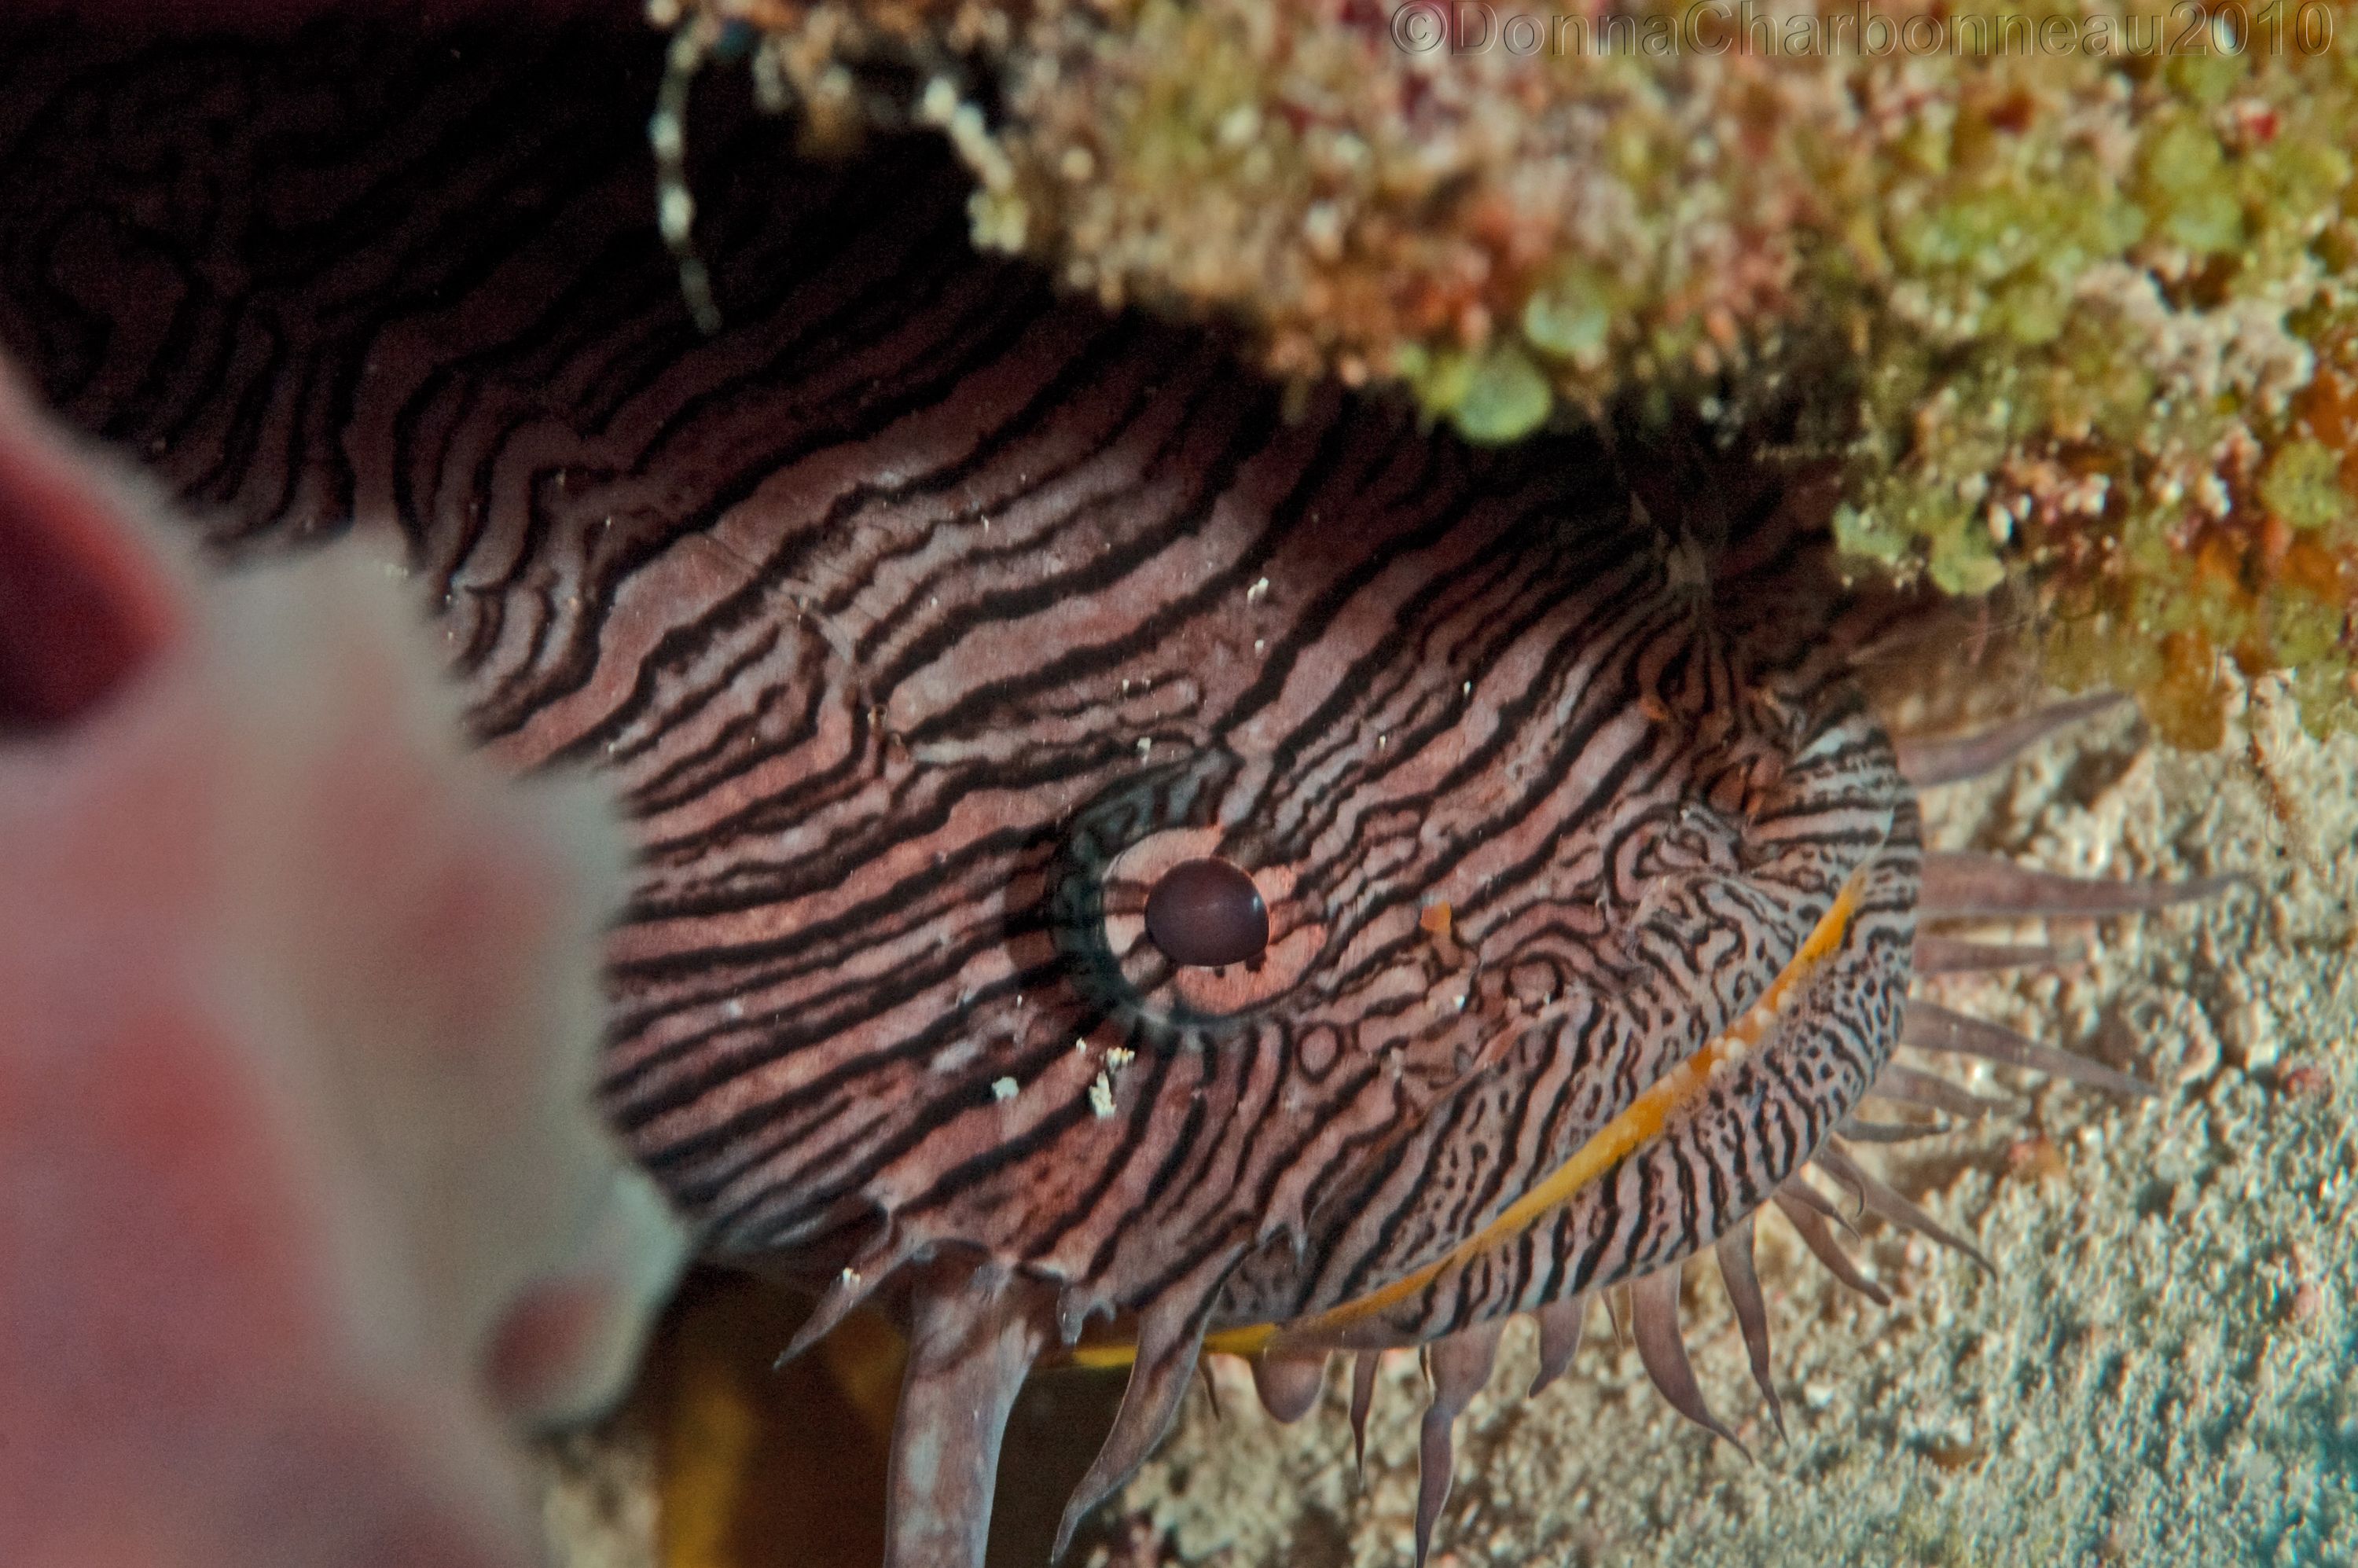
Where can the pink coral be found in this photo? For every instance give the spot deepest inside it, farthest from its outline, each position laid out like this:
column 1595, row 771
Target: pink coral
column 300, row 1191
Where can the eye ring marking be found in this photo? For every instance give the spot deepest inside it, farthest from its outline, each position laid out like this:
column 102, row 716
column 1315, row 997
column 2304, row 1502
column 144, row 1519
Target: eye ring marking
column 1115, row 850
column 1189, row 995
column 1206, row 914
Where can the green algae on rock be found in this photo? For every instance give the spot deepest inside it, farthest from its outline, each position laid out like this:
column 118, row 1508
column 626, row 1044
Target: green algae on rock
column 2068, row 290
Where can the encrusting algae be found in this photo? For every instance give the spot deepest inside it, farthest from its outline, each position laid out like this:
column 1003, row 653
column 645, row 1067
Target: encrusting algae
column 2066, row 292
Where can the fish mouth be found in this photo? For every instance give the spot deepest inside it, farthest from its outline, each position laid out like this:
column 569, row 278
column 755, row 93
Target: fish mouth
column 1359, row 1324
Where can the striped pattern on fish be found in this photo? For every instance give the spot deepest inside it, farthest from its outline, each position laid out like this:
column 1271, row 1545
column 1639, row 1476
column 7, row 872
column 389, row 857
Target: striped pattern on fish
column 923, row 620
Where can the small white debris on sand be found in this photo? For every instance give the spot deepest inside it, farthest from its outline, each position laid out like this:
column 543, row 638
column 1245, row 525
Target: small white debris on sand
column 1002, row 1088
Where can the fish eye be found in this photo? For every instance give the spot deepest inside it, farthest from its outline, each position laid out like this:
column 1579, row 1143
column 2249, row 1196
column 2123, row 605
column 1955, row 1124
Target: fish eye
column 1175, row 925
column 1207, row 914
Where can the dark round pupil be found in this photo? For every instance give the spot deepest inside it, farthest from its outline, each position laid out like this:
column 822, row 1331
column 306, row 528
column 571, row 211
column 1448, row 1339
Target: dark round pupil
column 1205, row 914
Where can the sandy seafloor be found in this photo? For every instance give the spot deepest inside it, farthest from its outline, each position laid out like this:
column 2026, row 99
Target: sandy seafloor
column 2164, row 1371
